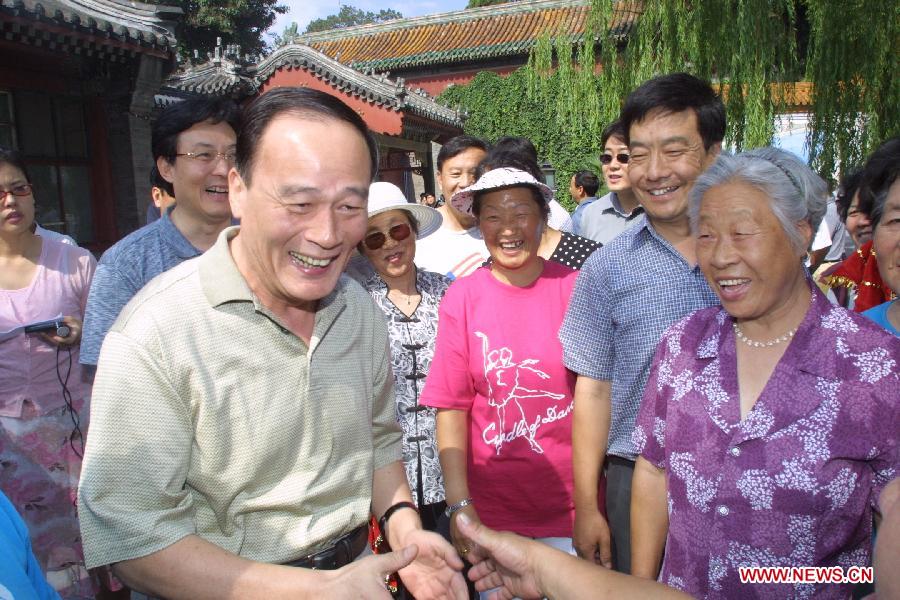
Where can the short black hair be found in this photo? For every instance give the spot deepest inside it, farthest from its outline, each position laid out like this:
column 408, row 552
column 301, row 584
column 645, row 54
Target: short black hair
column 181, row 116
column 457, row 145
column 674, row 93
column 614, row 129
column 156, row 180
column 14, row 158
column 535, row 194
column 881, row 171
column 846, row 190
column 587, row 180
column 423, row 195
column 499, row 158
column 516, row 145
column 298, row 101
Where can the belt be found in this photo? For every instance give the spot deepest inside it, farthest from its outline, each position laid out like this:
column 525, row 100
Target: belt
column 341, row 553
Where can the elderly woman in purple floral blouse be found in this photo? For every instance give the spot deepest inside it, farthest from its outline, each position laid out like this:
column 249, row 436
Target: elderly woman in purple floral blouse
column 769, row 425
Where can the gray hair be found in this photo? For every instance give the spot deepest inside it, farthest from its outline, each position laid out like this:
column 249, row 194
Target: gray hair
column 795, row 192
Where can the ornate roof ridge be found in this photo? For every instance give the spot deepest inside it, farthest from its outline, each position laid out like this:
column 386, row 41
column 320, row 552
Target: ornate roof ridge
column 222, row 75
column 135, row 22
column 456, row 16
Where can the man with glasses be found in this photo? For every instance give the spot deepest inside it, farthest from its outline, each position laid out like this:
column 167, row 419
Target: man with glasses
column 610, row 215
column 194, row 147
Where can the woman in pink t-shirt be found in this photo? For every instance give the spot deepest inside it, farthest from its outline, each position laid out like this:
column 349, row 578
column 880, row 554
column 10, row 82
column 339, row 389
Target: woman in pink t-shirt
column 42, row 422
column 504, row 423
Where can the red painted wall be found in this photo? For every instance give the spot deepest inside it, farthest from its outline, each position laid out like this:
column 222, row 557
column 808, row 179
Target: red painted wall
column 436, row 83
column 379, row 118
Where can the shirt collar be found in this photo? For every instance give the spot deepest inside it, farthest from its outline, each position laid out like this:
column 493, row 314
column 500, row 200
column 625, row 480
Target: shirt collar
column 610, row 202
column 174, row 238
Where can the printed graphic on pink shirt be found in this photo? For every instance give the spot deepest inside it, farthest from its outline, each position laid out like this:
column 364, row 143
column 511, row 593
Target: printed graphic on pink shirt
column 514, row 387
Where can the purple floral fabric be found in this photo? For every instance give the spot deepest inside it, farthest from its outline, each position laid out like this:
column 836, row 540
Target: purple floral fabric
column 792, row 484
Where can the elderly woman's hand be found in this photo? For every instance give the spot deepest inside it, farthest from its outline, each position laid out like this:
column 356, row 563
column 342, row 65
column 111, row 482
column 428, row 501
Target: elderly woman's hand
column 74, row 325
column 468, row 549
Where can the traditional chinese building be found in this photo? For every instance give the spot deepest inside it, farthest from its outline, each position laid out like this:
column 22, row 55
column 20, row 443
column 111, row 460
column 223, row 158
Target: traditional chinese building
column 77, row 85
column 435, row 51
column 405, row 122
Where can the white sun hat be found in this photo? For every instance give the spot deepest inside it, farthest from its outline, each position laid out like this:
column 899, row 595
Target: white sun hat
column 384, row 196
column 494, row 179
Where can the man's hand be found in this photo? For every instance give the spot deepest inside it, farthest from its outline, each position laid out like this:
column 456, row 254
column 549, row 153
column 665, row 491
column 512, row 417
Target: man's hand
column 435, row 573
column 591, row 537
column 366, row 578
column 510, row 565
column 464, row 546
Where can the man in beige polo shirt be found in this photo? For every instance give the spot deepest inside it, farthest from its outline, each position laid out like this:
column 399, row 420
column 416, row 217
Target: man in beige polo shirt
column 243, row 414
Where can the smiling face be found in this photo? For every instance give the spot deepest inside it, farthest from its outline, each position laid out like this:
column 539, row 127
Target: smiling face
column 615, row 173
column 858, row 225
column 395, row 258
column 886, row 241
column 511, row 223
column 667, row 156
column 745, row 254
column 201, row 187
column 16, row 212
column 304, row 212
column 458, row 173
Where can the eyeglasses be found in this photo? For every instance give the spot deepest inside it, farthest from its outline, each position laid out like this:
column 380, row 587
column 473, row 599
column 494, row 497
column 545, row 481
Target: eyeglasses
column 20, row 190
column 398, row 233
column 208, row 158
column 606, row 159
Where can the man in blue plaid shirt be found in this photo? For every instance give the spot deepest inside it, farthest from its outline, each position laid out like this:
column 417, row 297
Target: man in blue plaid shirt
column 629, row 293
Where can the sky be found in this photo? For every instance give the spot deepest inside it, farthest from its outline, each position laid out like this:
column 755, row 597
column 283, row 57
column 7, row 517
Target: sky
column 304, row 11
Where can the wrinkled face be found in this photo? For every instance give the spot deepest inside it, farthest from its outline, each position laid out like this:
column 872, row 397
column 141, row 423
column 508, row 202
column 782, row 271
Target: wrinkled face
column 858, row 225
column 744, row 253
column 201, row 186
column 395, row 257
column 886, row 241
column 511, row 223
column 458, row 173
column 16, row 212
column 303, row 212
column 667, row 156
column 615, row 173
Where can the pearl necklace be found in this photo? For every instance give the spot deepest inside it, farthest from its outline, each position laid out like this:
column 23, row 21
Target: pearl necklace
column 743, row 338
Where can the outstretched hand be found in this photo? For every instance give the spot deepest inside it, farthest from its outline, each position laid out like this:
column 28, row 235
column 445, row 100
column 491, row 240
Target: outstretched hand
column 366, row 578
column 510, row 562
column 436, row 572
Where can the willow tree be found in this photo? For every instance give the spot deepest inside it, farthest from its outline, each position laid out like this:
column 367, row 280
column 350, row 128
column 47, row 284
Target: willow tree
column 750, row 49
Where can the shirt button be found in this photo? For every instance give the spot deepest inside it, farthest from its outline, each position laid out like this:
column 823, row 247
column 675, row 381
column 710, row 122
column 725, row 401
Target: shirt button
column 722, row 510
column 735, row 452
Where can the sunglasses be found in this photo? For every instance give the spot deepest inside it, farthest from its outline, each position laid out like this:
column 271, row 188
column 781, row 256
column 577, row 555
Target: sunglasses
column 608, row 158
column 398, row 233
column 20, row 190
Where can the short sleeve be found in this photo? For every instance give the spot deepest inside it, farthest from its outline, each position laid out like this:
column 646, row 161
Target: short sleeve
column 449, row 383
column 587, row 330
column 648, row 436
column 87, row 265
column 132, row 499
column 110, row 292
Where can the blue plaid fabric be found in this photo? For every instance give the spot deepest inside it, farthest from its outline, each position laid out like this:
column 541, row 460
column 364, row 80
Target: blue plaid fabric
column 626, row 296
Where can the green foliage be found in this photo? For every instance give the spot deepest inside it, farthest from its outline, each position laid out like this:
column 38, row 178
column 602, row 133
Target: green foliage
column 241, row 22
column 747, row 47
column 477, row 3
column 349, row 16
column 852, row 62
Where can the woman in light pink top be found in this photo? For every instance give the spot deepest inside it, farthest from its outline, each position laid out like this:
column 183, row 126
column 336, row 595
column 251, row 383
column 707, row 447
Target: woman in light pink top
column 43, row 392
